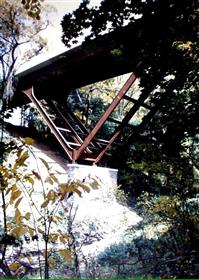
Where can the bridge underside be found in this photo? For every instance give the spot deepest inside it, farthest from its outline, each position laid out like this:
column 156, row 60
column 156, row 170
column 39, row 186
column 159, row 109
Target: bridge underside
column 73, row 69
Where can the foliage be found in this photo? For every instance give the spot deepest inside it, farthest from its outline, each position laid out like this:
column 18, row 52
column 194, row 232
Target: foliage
column 162, row 246
column 160, row 158
column 33, row 8
column 163, row 162
column 17, row 30
column 155, row 53
column 31, row 118
column 32, row 212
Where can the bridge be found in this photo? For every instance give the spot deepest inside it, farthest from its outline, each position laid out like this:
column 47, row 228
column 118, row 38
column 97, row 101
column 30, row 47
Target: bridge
column 91, row 62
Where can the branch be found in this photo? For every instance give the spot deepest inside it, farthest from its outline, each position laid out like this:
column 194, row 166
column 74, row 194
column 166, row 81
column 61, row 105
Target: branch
column 4, row 223
column 4, row 267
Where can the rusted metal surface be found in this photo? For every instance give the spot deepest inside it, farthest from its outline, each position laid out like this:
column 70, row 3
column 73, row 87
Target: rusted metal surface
column 124, row 122
column 74, row 135
column 77, row 121
column 30, row 93
column 102, row 120
column 88, row 63
column 91, row 149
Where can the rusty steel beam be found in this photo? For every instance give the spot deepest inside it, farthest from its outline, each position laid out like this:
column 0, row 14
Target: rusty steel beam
column 125, row 121
column 77, row 120
column 107, row 113
column 74, row 134
column 76, row 137
column 30, row 93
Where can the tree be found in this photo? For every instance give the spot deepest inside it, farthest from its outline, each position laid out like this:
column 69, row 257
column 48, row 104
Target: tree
column 33, row 206
column 161, row 157
column 20, row 39
column 170, row 49
column 164, row 58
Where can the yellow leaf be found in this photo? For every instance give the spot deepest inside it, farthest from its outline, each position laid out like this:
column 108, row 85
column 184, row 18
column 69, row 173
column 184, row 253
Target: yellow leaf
column 53, row 236
column 19, row 231
column 94, row 185
column 49, row 180
column 73, row 188
column 54, row 178
column 40, row 230
column 31, row 231
column 14, row 266
column 14, row 195
column 51, row 195
column 21, row 159
column 18, row 217
column 64, row 188
column 28, row 141
column 27, row 216
column 62, row 239
column 45, row 203
column 13, row 188
column 29, row 258
column 83, row 186
column 66, row 254
column 18, row 202
column 16, row 232
column 57, row 218
column 30, row 180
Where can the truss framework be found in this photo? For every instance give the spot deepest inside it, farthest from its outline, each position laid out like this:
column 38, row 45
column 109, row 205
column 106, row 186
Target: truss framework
column 79, row 143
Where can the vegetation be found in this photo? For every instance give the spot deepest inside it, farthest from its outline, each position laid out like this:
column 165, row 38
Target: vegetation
column 19, row 41
column 160, row 170
column 32, row 209
column 33, row 8
column 158, row 162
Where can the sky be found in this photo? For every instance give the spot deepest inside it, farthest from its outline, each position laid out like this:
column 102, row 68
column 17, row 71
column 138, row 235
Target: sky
column 54, row 32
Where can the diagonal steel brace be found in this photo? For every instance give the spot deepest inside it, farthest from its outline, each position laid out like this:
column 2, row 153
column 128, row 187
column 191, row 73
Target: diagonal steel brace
column 77, row 153
column 30, row 93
